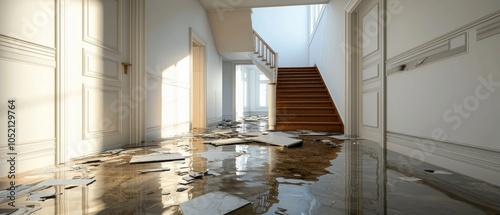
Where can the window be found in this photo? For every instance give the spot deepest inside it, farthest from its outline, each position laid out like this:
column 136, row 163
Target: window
column 315, row 12
column 262, row 90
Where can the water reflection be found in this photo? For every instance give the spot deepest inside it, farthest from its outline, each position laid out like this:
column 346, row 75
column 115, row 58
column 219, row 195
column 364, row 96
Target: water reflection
column 312, row 179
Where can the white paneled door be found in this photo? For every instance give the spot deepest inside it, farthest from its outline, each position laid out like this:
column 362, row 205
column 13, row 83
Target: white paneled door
column 370, row 75
column 98, row 35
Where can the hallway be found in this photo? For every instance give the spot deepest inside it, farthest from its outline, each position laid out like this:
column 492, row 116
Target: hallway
column 311, row 179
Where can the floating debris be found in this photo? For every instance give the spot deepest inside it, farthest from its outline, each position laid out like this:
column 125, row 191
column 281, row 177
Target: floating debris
column 213, row 203
column 411, row 179
column 154, row 170
column 281, row 211
column 42, row 195
column 181, row 189
column 160, row 157
column 229, row 141
column 277, row 138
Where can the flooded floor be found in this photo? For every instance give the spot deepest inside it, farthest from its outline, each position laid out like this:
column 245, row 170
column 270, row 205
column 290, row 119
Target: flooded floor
column 356, row 178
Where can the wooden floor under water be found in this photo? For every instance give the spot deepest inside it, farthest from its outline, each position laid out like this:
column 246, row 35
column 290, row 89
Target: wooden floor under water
column 315, row 178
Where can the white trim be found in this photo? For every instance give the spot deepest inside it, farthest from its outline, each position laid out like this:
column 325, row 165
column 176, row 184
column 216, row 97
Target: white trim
column 316, row 24
column 352, row 5
column 138, row 76
column 485, row 162
column 61, row 83
column 27, row 52
column 194, row 37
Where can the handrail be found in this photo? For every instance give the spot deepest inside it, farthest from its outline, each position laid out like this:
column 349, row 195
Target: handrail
column 268, row 55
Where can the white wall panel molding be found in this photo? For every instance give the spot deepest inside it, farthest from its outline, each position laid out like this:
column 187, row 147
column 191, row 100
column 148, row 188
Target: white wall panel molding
column 26, row 52
column 31, row 155
column 93, row 34
column 101, row 67
column 477, row 156
column 446, row 46
column 488, row 29
column 105, row 104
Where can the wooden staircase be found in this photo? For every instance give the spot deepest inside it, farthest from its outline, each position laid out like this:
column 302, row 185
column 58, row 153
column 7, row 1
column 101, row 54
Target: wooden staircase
column 303, row 102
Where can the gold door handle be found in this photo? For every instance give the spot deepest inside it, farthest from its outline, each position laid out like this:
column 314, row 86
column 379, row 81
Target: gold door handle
column 125, row 67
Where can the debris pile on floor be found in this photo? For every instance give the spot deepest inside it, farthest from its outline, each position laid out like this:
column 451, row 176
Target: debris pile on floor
column 172, row 153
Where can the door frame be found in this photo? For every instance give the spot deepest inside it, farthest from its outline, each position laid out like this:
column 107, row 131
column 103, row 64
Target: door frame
column 352, row 60
column 195, row 38
column 137, row 76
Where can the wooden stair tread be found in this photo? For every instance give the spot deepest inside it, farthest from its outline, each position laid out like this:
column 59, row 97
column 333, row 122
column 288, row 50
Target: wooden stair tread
column 303, row 101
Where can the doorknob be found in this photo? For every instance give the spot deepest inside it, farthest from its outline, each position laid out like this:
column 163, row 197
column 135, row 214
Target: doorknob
column 125, row 67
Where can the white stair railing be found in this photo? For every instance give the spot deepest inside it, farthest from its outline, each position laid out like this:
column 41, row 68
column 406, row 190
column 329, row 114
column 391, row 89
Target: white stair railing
column 264, row 51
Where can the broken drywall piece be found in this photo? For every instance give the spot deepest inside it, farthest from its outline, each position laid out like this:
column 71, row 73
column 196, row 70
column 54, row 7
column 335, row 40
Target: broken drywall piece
column 281, row 211
column 214, row 203
column 161, row 150
column 442, row 172
column 154, row 170
column 277, row 138
column 113, row 151
column 228, row 141
column 180, row 189
column 343, row 137
column 92, row 161
column 26, row 209
column 187, row 178
column 196, row 175
column 159, row 157
column 42, row 195
column 411, row 179
column 131, row 151
column 66, row 182
column 438, row 171
column 310, row 133
column 210, row 172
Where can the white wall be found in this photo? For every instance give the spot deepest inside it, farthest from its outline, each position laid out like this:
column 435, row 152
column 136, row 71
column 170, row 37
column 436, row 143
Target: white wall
column 27, row 74
column 326, row 50
column 285, row 30
column 426, row 99
column 168, row 65
column 445, row 112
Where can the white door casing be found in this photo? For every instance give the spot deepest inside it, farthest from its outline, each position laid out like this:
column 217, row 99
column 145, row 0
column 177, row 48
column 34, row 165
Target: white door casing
column 371, row 77
column 98, row 38
column 198, row 81
column 365, row 76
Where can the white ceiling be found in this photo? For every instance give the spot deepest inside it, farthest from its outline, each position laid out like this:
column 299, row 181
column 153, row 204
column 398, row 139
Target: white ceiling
column 235, row 4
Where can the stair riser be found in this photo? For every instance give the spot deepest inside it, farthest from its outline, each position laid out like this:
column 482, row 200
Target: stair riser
column 301, row 93
column 304, row 111
column 285, row 86
column 305, row 98
column 329, row 128
column 297, row 79
column 307, row 104
column 290, row 83
column 298, row 76
column 300, row 118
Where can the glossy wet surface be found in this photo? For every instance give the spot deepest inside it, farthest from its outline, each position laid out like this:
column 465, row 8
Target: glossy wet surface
column 311, row 179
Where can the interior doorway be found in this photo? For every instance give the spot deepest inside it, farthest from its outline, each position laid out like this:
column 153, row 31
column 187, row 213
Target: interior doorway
column 251, row 95
column 198, row 82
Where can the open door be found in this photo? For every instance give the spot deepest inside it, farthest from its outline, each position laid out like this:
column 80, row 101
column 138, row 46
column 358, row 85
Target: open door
column 198, row 82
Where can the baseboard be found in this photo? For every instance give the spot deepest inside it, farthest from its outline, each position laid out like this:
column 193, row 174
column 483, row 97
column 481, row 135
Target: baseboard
column 471, row 161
